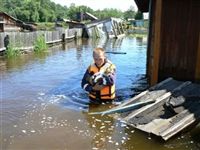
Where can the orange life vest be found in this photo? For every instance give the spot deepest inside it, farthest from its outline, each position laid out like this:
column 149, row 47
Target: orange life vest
column 107, row 92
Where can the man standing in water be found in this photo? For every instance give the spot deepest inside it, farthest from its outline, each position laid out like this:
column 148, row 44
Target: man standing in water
column 99, row 78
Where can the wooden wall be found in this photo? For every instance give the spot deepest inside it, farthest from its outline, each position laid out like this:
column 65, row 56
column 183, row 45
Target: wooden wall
column 178, row 56
column 153, row 49
column 25, row 40
column 9, row 24
column 174, row 45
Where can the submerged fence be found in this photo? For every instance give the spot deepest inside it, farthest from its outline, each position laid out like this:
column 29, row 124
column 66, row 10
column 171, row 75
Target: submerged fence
column 26, row 40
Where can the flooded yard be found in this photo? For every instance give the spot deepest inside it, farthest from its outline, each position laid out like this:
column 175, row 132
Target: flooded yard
column 42, row 105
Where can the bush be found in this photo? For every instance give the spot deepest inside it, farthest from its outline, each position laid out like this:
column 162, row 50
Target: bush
column 12, row 52
column 40, row 44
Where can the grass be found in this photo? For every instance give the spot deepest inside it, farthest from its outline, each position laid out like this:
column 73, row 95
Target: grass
column 12, row 52
column 40, row 44
column 45, row 26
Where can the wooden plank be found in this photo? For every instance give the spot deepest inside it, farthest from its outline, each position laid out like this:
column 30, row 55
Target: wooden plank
column 25, row 48
column 160, row 84
column 145, row 92
column 163, row 127
column 156, row 44
column 95, row 23
column 197, row 73
column 124, row 109
column 120, row 35
column 155, row 126
column 55, row 41
column 113, row 27
column 183, row 123
column 2, row 49
column 158, row 100
column 150, row 39
column 172, row 124
column 145, row 95
column 161, row 88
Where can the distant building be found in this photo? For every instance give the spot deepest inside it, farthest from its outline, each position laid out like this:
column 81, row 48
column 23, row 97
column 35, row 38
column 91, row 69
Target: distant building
column 74, row 24
column 111, row 28
column 137, row 23
column 85, row 16
column 9, row 23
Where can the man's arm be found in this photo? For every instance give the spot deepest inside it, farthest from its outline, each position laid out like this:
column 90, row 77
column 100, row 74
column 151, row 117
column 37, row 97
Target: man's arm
column 85, row 84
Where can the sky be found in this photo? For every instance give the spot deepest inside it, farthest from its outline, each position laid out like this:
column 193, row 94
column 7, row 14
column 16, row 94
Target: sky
column 122, row 5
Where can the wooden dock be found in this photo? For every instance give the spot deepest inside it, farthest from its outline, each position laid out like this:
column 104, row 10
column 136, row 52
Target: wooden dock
column 176, row 107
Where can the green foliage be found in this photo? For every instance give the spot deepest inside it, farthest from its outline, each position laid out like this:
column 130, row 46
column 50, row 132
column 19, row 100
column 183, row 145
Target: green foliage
column 83, row 8
column 33, row 10
column 72, row 12
column 2, row 5
column 12, row 52
column 45, row 26
column 48, row 11
column 129, row 14
column 139, row 16
column 108, row 12
column 40, row 44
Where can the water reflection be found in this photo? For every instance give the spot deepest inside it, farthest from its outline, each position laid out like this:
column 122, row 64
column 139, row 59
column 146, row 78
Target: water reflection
column 102, row 126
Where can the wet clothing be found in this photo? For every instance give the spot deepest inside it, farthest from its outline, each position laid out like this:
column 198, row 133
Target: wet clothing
column 107, row 93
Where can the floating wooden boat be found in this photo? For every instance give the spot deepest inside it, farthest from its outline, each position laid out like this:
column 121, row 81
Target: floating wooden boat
column 176, row 107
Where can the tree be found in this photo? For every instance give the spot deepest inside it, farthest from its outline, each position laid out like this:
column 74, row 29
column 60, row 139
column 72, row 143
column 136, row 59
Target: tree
column 108, row 12
column 71, row 13
column 129, row 14
column 22, row 14
column 2, row 5
column 34, row 7
column 139, row 16
column 61, row 12
column 46, row 10
column 85, row 9
column 43, row 13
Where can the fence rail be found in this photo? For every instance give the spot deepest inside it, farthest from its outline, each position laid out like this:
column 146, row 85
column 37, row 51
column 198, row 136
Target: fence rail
column 23, row 40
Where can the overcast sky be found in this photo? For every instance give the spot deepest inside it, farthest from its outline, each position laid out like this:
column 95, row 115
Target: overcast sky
column 122, row 5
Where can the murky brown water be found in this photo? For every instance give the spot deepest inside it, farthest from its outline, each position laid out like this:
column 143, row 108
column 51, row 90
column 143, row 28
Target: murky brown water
column 43, row 107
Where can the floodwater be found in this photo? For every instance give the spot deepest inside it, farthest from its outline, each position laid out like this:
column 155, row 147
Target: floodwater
column 43, row 106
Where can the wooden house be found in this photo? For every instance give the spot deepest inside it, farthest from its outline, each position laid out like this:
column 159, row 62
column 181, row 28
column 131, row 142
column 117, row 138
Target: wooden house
column 9, row 23
column 110, row 28
column 173, row 39
column 136, row 23
column 73, row 24
column 85, row 16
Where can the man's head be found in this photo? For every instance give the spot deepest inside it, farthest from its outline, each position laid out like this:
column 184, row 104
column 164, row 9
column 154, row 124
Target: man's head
column 99, row 56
